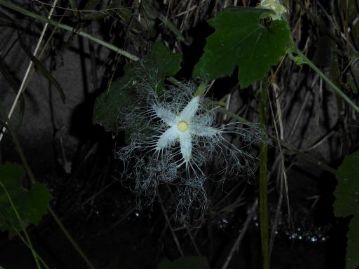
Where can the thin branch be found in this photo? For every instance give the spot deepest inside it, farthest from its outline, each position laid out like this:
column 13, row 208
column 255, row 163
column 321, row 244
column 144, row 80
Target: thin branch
column 27, row 73
column 302, row 59
column 241, row 235
column 175, row 238
column 69, row 29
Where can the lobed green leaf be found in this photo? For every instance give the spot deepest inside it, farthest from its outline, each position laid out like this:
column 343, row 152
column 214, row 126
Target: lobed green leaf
column 31, row 205
column 246, row 38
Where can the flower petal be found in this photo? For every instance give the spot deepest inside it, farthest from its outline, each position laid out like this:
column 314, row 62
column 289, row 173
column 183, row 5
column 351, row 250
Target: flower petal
column 190, row 109
column 186, row 146
column 167, row 138
column 164, row 114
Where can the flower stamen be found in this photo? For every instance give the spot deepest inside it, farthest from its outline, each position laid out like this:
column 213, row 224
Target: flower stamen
column 182, row 126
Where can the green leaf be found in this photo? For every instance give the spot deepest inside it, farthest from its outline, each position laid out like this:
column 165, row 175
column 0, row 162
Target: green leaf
column 108, row 104
column 31, row 205
column 191, row 262
column 347, row 191
column 347, row 203
column 162, row 60
column 157, row 65
column 243, row 39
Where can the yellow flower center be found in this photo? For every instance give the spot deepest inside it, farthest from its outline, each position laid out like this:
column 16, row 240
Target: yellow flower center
column 182, row 126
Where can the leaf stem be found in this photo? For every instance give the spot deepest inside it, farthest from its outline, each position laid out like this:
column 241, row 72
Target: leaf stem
column 68, row 28
column 304, row 59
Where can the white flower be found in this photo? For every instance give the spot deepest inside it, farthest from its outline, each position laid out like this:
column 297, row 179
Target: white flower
column 185, row 132
column 183, row 128
column 173, row 136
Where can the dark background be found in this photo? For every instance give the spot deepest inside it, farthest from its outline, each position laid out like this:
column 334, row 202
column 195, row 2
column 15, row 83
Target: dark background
column 75, row 158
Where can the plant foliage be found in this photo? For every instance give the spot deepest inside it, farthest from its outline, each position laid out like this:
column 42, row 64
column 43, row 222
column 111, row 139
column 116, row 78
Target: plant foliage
column 347, row 203
column 243, row 37
column 156, row 66
column 30, row 205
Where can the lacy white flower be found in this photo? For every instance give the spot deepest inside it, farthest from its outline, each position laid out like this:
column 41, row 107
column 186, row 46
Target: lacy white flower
column 179, row 128
column 173, row 138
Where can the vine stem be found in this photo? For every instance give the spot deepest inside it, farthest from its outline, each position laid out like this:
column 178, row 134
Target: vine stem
column 263, row 182
column 68, row 28
column 27, row 244
column 304, row 59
